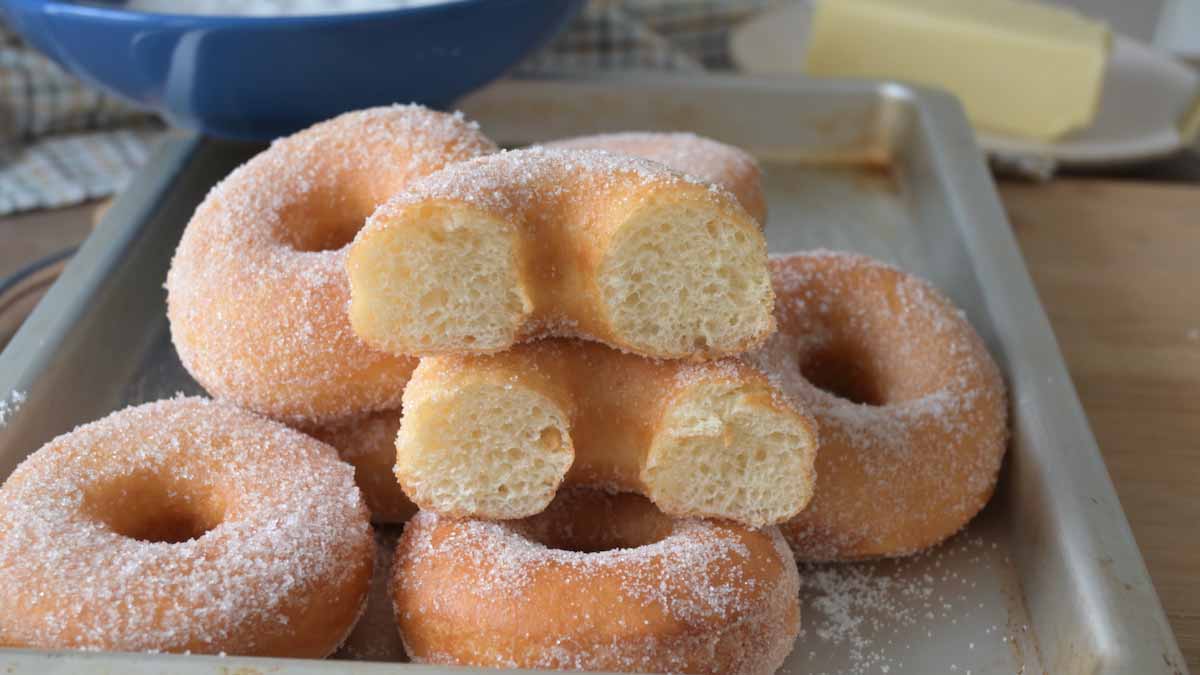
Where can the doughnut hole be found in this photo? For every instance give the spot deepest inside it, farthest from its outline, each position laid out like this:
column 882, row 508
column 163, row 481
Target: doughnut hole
column 338, row 196
column 588, row 520
column 155, row 509
column 437, row 277
column 488, row 450
column 679, row 280
column 328, row 215
column 844, row 371
column 310, row 234
column 730, row 451
column 863, row 349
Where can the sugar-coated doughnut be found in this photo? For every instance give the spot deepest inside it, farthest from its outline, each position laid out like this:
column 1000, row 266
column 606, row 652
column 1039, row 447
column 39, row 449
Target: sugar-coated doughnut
column 257, row 291
column 598, row 582
column 184, row 525
column 730, row 167
column 494, row 436
column 911, row 408
column 369, row 444
column 533, row 243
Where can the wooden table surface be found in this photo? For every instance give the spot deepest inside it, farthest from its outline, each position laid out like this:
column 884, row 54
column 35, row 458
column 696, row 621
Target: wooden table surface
column 1117, row 265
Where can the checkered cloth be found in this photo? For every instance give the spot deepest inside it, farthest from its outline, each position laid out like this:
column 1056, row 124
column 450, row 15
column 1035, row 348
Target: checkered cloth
column 687, row 35
column 37, row 98
column 70, row 168
column 47, row 158
column 58, row 147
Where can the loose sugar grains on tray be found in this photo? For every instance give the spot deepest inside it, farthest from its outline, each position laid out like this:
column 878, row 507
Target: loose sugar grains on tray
column 495, row 436
column 9, row 405
column 601, row 582
column 185, row 525
column 911, row 408
column 538, row 242
column 257, row 291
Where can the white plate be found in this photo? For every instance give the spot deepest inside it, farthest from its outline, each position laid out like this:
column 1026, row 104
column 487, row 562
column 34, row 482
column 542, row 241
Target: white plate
column 1150, row 106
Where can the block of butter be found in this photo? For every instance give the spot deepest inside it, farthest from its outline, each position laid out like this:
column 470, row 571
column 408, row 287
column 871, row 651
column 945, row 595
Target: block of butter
column 1018, row 67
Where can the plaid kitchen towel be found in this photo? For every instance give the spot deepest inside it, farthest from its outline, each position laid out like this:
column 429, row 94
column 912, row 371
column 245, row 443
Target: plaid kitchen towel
column 688, row 35
column 70, row 168
column 48, row 156
column 37, row 98
column 62, row 143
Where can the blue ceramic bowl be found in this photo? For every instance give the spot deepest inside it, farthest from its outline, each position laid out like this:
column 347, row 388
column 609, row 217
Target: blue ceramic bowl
column 262, row 77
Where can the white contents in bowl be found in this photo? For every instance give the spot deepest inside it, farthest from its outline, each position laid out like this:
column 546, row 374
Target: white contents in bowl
column 271, row 7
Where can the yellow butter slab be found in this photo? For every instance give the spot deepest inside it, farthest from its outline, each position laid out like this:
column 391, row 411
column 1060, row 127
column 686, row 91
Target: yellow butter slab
column 1018, row 67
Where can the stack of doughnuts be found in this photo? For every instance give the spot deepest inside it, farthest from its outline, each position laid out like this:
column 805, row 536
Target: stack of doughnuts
column 618, row 422
column 257, row 292
column 599, row 474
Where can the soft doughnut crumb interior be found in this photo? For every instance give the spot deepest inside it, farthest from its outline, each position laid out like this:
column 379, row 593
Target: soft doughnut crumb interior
column 437, row 277
column 484, row 449
column 724, row 450
column 679, row 279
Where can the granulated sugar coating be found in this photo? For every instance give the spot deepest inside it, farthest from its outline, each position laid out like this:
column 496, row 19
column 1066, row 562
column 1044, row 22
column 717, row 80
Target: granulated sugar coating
column 644, row 593
column 183, row 525
column 539, row 178
column 257, row 291
column 910, row 407
column 718, row 163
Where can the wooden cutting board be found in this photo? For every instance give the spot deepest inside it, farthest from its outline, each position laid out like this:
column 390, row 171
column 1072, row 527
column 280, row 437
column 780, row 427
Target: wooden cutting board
column 1117, row 265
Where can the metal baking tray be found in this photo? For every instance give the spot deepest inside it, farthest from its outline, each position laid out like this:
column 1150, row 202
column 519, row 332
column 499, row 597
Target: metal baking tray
column 1047, row 579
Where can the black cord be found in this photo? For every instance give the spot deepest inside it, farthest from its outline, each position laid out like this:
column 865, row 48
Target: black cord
column 9, row 282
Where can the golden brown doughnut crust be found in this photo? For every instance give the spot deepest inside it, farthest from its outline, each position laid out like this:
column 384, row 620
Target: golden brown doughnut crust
column 911, row 408
column 368, row 443
column 185, row 525
column 679, row 596
column 256, row 294
column 492, row 436
column 730, row 167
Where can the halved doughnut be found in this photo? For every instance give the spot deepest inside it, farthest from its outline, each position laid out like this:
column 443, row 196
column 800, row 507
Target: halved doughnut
column 912, row 410
column 598, row 582
column 494, row 436
column 531, row 243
